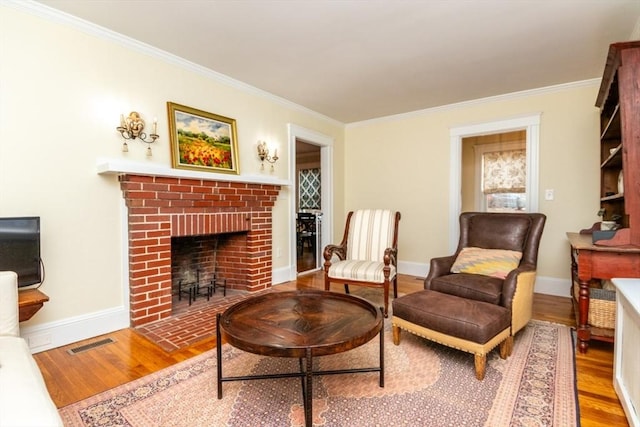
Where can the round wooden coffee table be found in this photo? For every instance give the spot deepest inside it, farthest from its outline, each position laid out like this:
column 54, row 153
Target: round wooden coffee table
column 301, row 324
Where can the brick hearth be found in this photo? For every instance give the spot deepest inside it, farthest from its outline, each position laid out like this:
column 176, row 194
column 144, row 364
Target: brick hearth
column 163, row 207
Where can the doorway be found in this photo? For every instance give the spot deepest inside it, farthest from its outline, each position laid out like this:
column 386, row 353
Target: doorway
column 530, row 124
column 312, row 142
column 308, row 207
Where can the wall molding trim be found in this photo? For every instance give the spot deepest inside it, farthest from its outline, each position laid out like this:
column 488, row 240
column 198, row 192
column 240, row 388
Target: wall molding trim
column 480, row 101
column 57, row 334
column 114, row 166
column 54, row 15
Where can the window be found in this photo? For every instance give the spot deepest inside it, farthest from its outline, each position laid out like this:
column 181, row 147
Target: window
column 501, row 177
column 309, row 188
column 504, row 180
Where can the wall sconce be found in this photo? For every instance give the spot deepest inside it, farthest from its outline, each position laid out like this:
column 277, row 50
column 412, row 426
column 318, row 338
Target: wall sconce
column 263, row 154
column 132, row 127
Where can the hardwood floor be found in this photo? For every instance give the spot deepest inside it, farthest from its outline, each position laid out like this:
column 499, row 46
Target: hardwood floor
column 71, row 378
column 306, row 260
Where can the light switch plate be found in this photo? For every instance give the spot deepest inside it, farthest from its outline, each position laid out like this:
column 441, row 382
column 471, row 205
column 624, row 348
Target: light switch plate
column 548, row 194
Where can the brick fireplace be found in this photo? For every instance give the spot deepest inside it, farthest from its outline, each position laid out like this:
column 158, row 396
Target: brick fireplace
column 161, row 207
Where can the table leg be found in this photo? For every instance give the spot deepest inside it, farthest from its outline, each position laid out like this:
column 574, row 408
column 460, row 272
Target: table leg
column 381, row 355
column 302, row 378
column 308, row 398
column 219, row 355
column 584, row 332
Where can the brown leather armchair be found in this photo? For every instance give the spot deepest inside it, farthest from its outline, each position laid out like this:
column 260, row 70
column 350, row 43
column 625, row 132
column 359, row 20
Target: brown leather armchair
column 479, row 297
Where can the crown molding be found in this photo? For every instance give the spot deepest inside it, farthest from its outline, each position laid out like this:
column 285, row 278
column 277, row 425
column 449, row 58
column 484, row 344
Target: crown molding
column 38, row 9
column 479, row 101
column 57, row 16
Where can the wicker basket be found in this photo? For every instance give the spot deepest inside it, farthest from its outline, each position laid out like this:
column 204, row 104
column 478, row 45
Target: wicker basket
column 602, row 307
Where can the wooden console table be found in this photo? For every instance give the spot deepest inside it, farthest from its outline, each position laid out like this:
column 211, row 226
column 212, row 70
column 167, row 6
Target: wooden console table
column 590, row 261
column 29, row 302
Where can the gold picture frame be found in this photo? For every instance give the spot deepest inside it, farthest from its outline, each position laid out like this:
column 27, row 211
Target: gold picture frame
column 202, row 141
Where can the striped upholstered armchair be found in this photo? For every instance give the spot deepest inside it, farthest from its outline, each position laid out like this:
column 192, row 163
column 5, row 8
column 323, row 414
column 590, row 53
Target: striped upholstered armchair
column 368, row 253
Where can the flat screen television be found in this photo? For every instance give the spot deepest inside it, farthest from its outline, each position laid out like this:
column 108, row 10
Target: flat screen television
column 20, row 248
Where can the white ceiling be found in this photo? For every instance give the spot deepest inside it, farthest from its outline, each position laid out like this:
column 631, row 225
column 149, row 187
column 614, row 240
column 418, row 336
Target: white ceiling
column 353, row 60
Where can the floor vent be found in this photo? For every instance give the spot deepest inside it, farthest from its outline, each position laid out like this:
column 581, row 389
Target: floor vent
column 90, row 346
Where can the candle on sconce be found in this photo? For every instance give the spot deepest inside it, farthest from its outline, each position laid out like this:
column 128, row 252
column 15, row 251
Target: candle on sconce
column 275, row 154
column 122, row 120
column 155, row 125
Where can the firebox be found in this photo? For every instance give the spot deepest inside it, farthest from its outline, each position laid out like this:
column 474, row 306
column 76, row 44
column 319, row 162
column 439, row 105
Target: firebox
column 199, row 262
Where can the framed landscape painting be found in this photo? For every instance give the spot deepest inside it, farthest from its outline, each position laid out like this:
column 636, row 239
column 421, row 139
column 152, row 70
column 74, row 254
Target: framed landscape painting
column 202, row 141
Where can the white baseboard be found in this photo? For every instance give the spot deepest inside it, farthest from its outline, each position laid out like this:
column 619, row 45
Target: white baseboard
column 46, row 336
column 553, row 286
column 281, row 275
column 417, row 269
column 56, row 334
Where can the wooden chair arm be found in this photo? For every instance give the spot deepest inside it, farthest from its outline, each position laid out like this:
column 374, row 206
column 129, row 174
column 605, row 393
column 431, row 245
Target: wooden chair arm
column 390, row 256
column 339, row 250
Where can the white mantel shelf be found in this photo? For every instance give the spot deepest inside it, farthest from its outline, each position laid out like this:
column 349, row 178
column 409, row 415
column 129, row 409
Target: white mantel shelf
column 106, row 166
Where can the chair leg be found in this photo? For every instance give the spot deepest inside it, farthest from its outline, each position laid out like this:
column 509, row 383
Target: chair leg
column 506, row 347
column 386, row 299
column 396, row 334
column 481, row 365
column 395, row 287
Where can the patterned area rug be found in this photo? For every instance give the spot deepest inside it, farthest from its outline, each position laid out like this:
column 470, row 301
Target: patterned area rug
column 425, row 384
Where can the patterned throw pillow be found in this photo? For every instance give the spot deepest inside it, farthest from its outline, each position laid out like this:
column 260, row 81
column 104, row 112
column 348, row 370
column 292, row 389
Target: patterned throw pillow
column 487, row 262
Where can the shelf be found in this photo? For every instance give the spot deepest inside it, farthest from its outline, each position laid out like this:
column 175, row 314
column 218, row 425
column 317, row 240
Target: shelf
column 106, row 166
column 611, row 129
column 619, row 144
column 598, row 334
column 29, row 302
column 614, row 198
column 614, row 160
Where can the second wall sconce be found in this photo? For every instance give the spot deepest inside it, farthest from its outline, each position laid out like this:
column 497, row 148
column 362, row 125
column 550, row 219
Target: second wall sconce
column 132, row 127
column 263, row 154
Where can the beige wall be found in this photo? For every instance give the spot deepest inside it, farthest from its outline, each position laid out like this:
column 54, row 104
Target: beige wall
column 403, row 163
column 62, row 94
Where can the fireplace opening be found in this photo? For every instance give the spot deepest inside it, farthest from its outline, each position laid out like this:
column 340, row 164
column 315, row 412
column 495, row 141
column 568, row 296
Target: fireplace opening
column 206, row 266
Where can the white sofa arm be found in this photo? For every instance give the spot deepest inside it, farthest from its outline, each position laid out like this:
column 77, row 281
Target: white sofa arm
column 9, row 311
column 24, row 399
